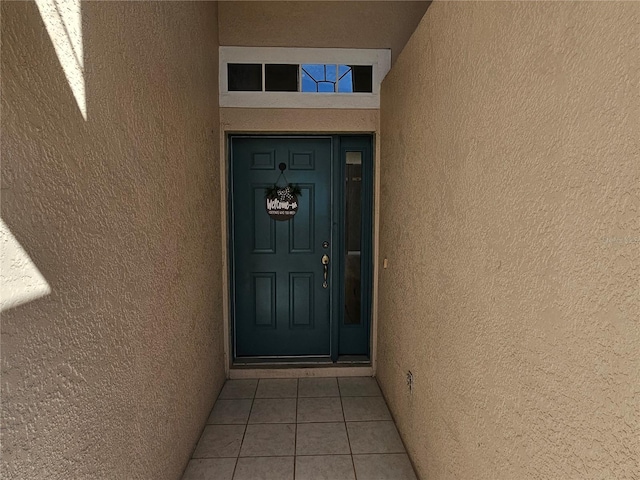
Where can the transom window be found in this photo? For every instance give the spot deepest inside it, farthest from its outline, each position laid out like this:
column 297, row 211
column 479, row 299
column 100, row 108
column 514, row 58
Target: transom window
column 301, row 77
column 336, row 78
column 306, row 78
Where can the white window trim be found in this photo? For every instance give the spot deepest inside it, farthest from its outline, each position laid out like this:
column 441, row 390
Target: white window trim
column 379, row 59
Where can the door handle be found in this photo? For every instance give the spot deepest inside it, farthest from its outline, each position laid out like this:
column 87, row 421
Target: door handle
column 325, row 264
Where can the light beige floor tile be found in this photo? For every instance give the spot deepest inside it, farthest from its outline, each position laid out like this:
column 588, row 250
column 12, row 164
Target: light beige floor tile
column 359, row 387
column 239, row 389
column 210, row 469
column 325, row 467
column 374, row 437
column 384, row 467
column 269, row 440
column 277, row 388
column 318, row 387
column 321, row 439
column 357, row 409
column 230, row 412
column 327, row 409
column 264, row 468
column 219, row 441
column 273, row 410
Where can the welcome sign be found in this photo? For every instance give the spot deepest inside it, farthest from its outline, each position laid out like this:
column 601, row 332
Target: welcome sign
column 283, row 206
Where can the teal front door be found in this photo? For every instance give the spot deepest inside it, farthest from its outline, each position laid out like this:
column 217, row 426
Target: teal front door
column 301, row 282
column 282, row 302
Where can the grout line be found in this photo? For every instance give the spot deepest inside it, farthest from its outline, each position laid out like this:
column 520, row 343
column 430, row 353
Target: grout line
column 275, row 398
column 320, row 396
column 305, row 455
column 265, row 456
column 206, row 424
column 395, row 424
column 325, row 455
column 344, row 419
column 246, row 425
column 362, row 454
column 321, row 421
column 372, row 421
column 235, row 465
column 212, row 458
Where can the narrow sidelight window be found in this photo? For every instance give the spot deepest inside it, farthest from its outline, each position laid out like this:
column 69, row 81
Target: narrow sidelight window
column 353, row 237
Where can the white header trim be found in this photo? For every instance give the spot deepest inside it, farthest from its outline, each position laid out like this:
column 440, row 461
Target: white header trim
column 379, row 59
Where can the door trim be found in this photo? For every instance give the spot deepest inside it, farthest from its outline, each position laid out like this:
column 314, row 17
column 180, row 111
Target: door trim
column 235, row 121
column 337, row 239
column 301, row 372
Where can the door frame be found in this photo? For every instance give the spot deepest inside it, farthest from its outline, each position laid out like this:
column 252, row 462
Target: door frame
column 340, row 144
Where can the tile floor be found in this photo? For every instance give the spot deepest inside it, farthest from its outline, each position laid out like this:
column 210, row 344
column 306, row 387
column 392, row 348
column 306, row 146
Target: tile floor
column 300, row 429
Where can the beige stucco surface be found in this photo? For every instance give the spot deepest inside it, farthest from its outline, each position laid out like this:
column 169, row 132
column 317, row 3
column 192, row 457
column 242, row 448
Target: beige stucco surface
column 510, row 203
column 113, row 374
column 299, row 120
column 338, row 24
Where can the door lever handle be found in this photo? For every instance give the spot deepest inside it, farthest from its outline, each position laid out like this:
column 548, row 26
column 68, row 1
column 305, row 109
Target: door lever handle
column 325, row 264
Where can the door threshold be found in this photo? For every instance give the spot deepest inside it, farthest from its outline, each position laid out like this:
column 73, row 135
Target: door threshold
column 285, row 361
column 295, row 371
column 301, row 362
column 354, row 360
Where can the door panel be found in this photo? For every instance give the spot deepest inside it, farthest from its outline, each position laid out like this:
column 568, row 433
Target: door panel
column 301, row 228
column 280, row 305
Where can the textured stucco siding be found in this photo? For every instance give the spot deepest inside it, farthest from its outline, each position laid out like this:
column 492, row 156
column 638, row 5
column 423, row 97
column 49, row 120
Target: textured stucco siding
column 112, row 375
column 337, row 24
column 299, row 120
column 510, row 217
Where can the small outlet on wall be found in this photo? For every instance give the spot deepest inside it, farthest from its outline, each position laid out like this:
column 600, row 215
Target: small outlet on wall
column 410, row 381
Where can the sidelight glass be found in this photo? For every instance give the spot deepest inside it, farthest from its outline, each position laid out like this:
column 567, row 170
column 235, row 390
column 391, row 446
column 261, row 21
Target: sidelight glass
column 353, row 237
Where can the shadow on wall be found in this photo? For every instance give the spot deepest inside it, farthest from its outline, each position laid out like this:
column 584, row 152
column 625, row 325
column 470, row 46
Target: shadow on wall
column 63, row 21
column 20, row 279
column 114, row 208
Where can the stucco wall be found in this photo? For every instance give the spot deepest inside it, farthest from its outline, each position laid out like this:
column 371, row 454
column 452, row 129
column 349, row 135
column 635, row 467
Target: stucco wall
column 302, row 120
column 510, row 219
column 339, row 24
column 112, row 375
